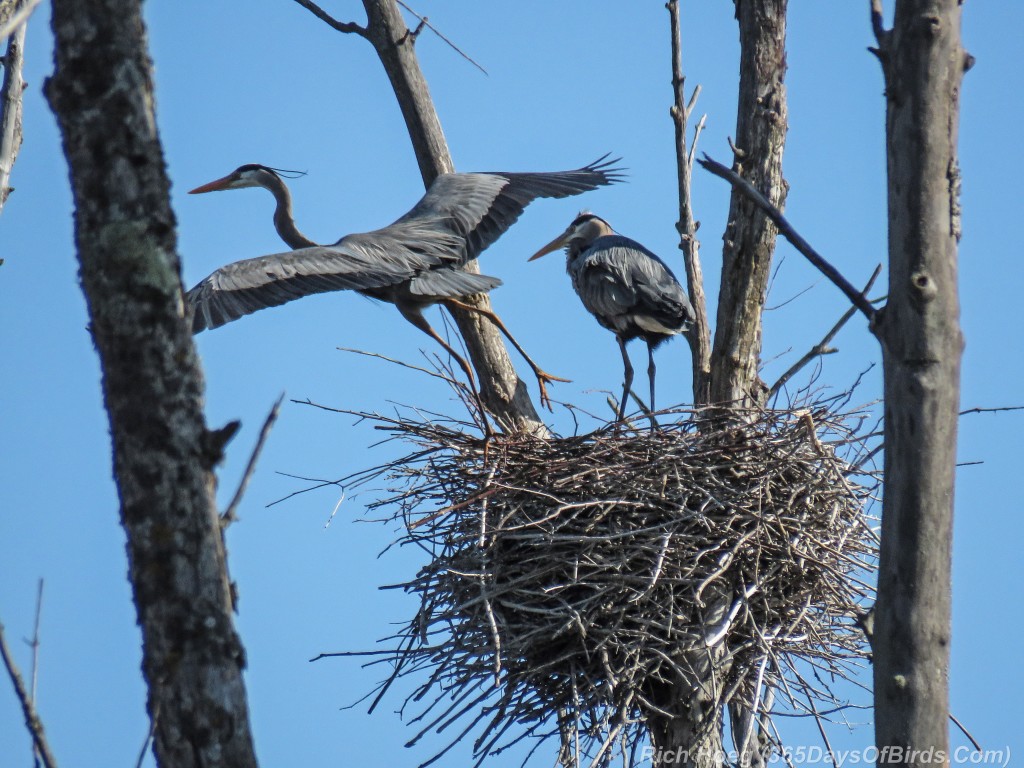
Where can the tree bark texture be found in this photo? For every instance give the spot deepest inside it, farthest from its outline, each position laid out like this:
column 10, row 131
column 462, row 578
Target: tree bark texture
column 503, row 392
column 750, row 236
column 923, row 62
column 11, row 101
column 102, row 94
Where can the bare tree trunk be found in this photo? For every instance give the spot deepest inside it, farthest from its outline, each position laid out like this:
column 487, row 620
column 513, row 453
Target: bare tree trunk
column 686, row 726
column 750, row 236
column 11, row 100
column 923, row 63
column 503, row 392
column 102, row 94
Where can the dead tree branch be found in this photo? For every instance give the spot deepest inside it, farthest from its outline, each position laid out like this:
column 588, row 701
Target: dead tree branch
column 324, row 16
column 856, row 298
column 14, row 13
column 231, row 513
column 822, row 348
column 699, row 335
column 34, row 645
column 32, row 721
column 426, row 23
column 993, row 410
column 11, row 101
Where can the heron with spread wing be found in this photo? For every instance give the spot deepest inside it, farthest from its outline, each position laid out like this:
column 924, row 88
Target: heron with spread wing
column 413, row 263
column 628, row 289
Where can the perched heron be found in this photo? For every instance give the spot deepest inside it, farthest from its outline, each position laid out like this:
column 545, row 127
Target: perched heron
column 413, row 263
column 628, row 289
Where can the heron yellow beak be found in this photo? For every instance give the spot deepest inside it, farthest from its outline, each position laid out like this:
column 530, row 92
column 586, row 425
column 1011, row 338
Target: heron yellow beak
column 214, row 186
column 554, row 245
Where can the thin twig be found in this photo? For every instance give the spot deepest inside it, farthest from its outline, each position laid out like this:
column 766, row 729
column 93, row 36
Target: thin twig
column 149, row 734
column 697, row 129
column 230, row 514
column 385, row 358
column 821, row 347
column 966, row 733
column 32, row 721
column 786, row 229
column 432, row 28
column 34, row 645
column 993, row 410
column 341, row 26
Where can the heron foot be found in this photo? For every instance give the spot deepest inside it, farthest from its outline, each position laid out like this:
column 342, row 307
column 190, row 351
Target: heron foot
column 543, row 379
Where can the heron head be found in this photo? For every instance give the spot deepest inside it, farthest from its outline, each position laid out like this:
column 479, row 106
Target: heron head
column 583, row 231
column 248, row 175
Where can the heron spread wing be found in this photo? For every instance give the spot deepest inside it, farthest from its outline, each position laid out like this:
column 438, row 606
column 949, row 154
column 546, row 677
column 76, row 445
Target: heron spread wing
column 477, row 208
column 243, row 287
column 619, row 280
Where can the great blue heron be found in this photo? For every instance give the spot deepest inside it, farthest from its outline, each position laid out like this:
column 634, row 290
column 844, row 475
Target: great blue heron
column 627, row 288
column 413, row 263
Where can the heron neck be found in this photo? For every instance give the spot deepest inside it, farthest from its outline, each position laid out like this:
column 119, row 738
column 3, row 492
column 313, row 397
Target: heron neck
column 284, row 221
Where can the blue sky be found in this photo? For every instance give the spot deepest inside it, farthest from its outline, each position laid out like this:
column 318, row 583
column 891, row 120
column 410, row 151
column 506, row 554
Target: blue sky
column 264, row 81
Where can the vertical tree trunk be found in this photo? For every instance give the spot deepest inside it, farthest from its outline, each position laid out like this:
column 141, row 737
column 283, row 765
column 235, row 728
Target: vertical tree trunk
column 750, row 236
column 503, row 392
column 923, row 63
column 102, row 94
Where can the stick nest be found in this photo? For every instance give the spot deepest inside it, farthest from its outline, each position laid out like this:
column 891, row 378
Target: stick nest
column 573, row 582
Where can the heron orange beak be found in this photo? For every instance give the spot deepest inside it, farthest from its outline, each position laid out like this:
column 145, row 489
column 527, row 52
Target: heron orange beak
column 214, row 186
column 554, row 245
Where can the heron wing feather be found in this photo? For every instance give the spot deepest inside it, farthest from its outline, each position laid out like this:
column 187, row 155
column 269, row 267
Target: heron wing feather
column 619, row 279
column 247, row 286
column 478, row 208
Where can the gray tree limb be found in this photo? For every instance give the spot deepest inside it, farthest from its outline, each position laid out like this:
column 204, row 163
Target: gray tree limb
column 699, row 335
column 11, row 95
column 923, row 62
column 163, row 455
column 750, row 235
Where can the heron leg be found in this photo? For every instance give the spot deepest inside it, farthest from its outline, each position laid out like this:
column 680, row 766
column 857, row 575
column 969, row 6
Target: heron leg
column 542, row 376
column 628, row 378
column 415, row 316
column 651, row 371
